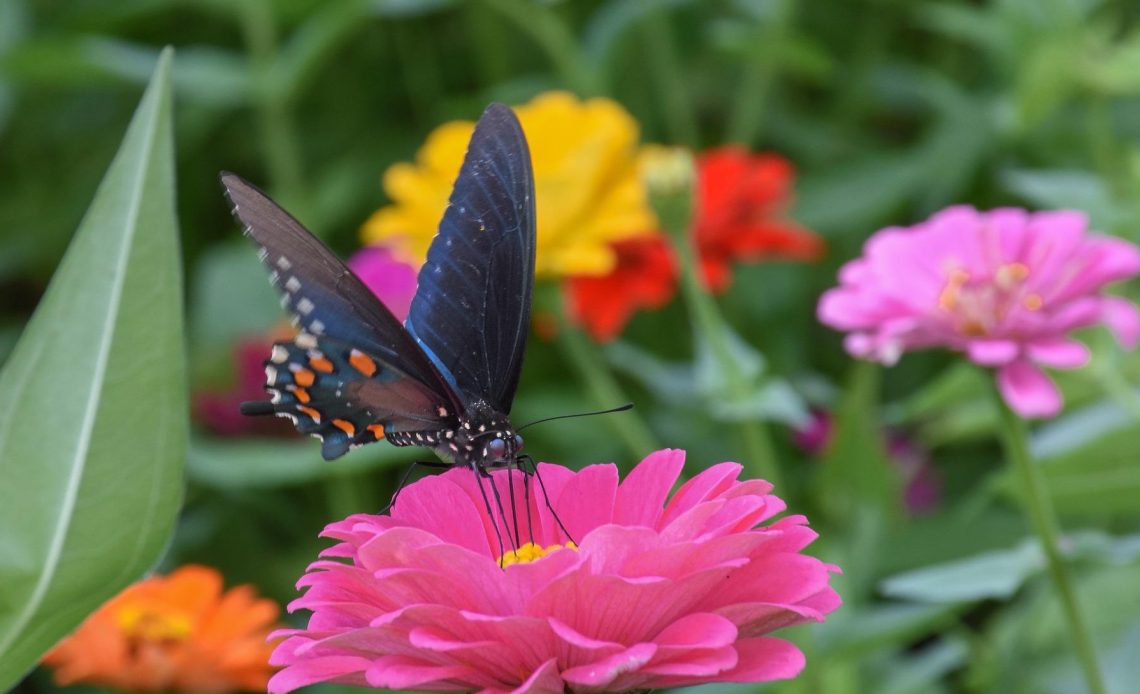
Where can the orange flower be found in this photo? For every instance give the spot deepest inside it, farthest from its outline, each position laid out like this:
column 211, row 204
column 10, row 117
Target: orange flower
column 179, row 632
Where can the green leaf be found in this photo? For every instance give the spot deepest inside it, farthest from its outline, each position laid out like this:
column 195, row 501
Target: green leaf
column 260, row 464
column 230, row 297
column 93, row 422
column 1069, row 188
column 987, row 575
column 869, row 629
column 1088, row 459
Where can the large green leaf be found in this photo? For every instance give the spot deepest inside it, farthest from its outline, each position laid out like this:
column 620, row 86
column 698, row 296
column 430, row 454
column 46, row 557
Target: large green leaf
column 93, row 418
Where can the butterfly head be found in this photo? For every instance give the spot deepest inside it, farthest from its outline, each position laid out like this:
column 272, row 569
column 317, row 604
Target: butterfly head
column 502, row 449
column 486, row 439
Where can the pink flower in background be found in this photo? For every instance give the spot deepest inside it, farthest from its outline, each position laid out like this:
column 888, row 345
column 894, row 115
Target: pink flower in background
column 1005, row 287
column 392, row 280
column 217, row 410
column 661, row 590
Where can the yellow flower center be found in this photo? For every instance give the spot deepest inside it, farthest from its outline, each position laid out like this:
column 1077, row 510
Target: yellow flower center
column 149, row 624
column 529, row 552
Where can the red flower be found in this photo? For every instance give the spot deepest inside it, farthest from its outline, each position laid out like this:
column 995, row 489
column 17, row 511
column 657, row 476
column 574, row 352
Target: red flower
column 645, row 277
column 742, row 202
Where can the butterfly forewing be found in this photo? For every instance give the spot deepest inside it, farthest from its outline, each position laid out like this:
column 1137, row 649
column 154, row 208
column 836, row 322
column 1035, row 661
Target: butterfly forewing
column 471, row 311
column 354, row 365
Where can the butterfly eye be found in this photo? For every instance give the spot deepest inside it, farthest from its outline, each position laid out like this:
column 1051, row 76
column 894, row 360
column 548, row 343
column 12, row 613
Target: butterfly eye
column 518, row 443
column 497, row 449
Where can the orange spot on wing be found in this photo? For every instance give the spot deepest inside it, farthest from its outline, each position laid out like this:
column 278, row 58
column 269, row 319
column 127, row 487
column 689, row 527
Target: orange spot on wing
column 301, row 394
column 304, row 377
column 377, row 430
column 311, row 412
column 362, row 362
column 345, row 426
column 322, row 364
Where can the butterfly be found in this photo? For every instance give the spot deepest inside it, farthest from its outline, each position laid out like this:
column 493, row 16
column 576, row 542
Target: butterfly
column 446, row 378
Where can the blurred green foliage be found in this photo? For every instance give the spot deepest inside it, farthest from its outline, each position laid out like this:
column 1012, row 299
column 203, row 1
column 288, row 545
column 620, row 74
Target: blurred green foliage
column 890, row 109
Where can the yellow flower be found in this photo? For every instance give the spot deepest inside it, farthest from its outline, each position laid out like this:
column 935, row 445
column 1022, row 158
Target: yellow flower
column 587, row 189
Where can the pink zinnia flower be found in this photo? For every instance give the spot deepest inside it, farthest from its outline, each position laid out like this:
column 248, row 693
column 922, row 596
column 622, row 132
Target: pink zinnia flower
column 391, row 280
column 1005, row 287
column 661, row 590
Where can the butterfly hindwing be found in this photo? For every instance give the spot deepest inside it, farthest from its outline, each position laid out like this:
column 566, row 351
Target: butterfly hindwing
column 342, row 395
column 471, row 311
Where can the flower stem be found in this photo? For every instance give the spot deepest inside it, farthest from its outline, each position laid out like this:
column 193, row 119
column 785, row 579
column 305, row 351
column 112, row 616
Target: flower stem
column 552, row 35
column 606, row 391
column 665, row 68
column 674, row 211
column 1040, row 510
column 275, row 121
column 760, row 66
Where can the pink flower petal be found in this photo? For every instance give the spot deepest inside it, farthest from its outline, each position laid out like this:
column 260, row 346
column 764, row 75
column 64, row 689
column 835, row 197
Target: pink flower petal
column 404, row 672
column 764, row 659
column 545, row 680
column 706, row 484
column 587, row 501
column 641, row 497
column 698, row 630
column 1059, row 353
column 1122, row 318
column 444, row 509
column 992, row 352
column 996, row 285
column 648, row 599
column 1028, row 391
column 345, row 669
column 391, row 280
column 595, row 676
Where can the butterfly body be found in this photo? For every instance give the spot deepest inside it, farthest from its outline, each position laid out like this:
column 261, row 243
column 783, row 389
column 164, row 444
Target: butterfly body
column 445, row 379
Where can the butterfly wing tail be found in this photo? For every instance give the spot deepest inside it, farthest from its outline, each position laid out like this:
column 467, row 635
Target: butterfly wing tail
column 303, row 386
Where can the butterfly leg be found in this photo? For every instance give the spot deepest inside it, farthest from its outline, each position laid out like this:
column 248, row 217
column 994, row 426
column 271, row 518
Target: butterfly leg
column 408, row 473
column 502, row 510
column 546, row 497
column 479, row 474
column 514, row 511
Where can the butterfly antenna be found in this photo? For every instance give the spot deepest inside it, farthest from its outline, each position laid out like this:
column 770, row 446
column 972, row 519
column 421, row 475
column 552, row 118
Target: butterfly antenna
column 622, row 408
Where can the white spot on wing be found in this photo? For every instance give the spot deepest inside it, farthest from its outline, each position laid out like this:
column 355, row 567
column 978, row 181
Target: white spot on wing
column 305, row 306
column 283, row 263
column 292, row 284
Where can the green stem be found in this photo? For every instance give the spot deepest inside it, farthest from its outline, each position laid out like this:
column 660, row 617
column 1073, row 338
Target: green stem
column 756, row 81
column 275, row 122
column 665, row 68
column 419, row 68
column 552, row 35
column 1040, row 510
column 606, row 391
column 674, row 212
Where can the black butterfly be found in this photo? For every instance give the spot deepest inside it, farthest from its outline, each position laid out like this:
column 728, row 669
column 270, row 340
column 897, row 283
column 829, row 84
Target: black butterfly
column 447, row 377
